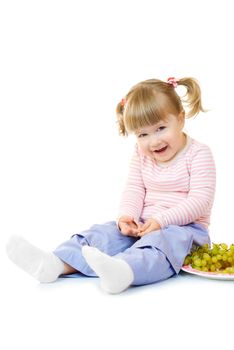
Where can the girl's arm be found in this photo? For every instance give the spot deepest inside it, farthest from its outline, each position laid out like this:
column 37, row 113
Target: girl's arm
column 200, row 197
column 133, row 196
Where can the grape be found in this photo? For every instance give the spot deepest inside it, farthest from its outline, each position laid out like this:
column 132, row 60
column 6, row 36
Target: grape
column 197, row 262
column 203, row 263
column 214, row 259
column 212, row 268
column 217, row 258
column 206, row 256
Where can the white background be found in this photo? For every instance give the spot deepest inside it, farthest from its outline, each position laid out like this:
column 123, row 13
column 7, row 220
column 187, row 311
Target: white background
column 64, row 65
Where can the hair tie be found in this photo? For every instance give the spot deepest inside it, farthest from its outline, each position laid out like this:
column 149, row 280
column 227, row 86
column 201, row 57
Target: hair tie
column 123, row 102
column 173, row 81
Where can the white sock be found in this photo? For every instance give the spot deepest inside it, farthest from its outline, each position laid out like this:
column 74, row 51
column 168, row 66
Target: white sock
column 116, row 275
column 45, row 267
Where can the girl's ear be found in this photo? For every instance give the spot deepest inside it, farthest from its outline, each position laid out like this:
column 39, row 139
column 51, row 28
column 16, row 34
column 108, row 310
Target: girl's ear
column 181, row 115
column 181, row 118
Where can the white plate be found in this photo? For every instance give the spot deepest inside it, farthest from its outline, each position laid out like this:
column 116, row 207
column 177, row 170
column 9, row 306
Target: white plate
column 212, row 275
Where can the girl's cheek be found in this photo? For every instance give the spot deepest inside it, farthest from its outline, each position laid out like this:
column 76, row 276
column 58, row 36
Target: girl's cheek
column 140, row 144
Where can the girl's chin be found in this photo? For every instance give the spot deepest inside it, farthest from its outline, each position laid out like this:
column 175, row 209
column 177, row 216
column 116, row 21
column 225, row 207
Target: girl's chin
column 163, row 159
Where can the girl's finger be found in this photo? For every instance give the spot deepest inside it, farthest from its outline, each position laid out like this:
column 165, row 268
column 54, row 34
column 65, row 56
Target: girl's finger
column 144, row 227
column 144, row 232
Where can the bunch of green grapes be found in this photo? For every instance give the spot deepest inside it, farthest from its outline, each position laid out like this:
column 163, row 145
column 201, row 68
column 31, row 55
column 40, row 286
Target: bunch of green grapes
column 217, row 258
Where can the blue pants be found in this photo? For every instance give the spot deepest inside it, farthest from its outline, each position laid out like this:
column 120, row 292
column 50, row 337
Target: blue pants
column 156, row 256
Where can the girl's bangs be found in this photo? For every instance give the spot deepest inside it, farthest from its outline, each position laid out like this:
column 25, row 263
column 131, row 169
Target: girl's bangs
column 141, row 113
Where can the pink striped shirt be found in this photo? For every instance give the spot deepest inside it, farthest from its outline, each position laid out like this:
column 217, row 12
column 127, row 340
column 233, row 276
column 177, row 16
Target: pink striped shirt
column 177, row 193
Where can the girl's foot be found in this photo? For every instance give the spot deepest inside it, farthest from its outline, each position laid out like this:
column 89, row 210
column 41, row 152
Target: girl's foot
column 116, row 275
column 45, row 267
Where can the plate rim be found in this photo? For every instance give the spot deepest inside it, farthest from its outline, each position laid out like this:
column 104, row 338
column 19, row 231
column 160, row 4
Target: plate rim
column 208, row 274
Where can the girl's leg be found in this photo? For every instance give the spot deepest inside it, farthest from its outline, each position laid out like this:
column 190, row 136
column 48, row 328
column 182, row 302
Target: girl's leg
column 68, row 270
column 136, row 266
column 155, row 257
column 160, row 254
column 68, row 257
column 149, row 265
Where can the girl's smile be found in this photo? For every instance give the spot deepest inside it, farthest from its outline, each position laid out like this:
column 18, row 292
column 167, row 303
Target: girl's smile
column 161, row 150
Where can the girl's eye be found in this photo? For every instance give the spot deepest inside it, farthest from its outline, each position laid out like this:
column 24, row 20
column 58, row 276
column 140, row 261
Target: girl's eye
column 142, row 135
column 161, row 128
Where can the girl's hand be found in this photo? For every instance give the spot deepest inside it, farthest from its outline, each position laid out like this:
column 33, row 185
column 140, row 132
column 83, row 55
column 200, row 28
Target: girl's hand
column 149, row 226
column 128, row 226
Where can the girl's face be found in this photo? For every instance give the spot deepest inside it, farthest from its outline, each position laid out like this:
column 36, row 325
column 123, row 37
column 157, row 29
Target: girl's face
column 163, row 140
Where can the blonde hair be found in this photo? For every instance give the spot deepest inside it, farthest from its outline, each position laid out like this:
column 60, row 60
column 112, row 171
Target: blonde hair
column 152, row 100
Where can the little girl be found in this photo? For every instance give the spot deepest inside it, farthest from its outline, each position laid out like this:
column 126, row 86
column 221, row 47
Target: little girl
column 165, row 207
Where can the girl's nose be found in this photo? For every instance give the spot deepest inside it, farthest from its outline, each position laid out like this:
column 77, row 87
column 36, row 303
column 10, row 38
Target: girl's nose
column 154, row 141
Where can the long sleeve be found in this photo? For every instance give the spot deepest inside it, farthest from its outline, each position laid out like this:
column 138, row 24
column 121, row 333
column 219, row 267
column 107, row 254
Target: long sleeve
column 197, row 205
column 133, row 196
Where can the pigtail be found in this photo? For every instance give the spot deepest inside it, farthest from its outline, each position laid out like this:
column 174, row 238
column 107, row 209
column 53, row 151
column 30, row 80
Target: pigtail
column 120, row 120
column 192, row 98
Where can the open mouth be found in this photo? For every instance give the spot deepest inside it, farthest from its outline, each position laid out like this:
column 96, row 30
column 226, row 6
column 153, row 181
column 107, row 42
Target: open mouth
column 161, row 149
